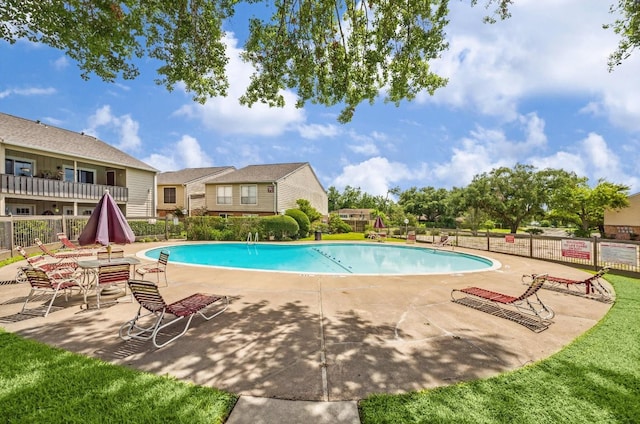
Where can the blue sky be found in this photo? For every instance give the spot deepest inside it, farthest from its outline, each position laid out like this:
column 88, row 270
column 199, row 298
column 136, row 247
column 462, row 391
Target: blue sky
column 534, row 89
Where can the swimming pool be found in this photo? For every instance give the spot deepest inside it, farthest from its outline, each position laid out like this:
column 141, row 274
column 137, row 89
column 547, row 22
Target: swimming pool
column 326, row 258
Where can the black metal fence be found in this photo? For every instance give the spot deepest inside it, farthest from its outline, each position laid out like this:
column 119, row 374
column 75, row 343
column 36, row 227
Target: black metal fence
column 595, row 252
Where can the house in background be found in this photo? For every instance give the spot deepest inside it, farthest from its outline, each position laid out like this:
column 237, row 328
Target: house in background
column 258, row 190
column 358, row 219
column 53, row 171
column 624, row 224
column 185, row 189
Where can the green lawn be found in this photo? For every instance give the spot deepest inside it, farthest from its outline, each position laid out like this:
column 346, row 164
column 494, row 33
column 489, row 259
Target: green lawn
column 596, row 379
column 40, row 384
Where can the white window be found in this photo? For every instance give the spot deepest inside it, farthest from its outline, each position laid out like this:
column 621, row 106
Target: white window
column 224, row 195
column 248, row 195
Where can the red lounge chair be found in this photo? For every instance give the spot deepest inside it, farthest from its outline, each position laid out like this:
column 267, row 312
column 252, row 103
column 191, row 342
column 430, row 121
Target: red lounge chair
column 61, row 268
column 43, row 283
column 591, row 287
column 72, row 247
column 521, row 309
column 149, row 298
column 60, row 255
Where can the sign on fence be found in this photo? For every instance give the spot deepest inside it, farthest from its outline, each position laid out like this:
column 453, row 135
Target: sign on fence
column 580, row 249
column 509, row 238
column 619, row 253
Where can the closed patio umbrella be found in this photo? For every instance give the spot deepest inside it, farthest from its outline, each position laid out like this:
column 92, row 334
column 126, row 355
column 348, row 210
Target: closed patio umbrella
column 106, row 225
column 378, row 224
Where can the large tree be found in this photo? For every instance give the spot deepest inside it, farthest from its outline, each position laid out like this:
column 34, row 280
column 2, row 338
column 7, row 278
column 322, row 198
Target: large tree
column 328, row 51
column 576, row 202
column 511, row 196
column 427, row 202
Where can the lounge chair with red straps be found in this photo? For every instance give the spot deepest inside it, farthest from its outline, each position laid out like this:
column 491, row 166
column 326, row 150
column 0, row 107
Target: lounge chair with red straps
column 61, row 255
column 526, row 309
column 69, row 246
column 59, row 268
column 154, row 314
column 47, row 283
column 592, row 287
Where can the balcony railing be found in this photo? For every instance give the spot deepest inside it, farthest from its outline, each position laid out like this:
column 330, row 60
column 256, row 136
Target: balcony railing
column 43, row 187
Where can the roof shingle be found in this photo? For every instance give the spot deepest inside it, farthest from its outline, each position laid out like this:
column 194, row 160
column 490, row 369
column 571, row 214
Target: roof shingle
column 20, row 132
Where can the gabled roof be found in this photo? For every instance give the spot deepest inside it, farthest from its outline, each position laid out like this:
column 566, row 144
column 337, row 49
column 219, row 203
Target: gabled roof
column 36, row 135
column 185, row 176
column 260, row 173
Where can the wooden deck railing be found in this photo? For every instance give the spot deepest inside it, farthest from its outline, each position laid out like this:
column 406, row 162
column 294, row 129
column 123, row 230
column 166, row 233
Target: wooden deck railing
column 43, row 187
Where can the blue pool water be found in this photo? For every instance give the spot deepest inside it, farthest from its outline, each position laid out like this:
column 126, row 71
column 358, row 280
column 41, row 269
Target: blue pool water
column 325, row 258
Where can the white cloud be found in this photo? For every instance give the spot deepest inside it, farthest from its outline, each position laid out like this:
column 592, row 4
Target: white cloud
column 315, row 131
column 61, row 63
column 161, row 162
column 124, row 127
column 543, row 49
column 227, row 116
column 374, row 176
column 30, row 91
column 366, row 148
column 185, row 153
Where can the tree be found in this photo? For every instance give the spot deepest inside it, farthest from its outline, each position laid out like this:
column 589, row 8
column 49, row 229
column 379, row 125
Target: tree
column 467, row 203
column 584, row 206
column 511, row 196
column 427, row 201
column 627, row 27
column 337, row 225
column 312, row 213
column 329, row 51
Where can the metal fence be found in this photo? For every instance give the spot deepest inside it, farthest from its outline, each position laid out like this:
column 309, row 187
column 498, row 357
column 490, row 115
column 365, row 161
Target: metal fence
column 595, row 252
column 23, row 230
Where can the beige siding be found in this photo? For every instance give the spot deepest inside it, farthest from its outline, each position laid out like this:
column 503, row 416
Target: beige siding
column 302, row 184
column 265, row 200
column 180, row 197
column 140, row 184
column 628, row 216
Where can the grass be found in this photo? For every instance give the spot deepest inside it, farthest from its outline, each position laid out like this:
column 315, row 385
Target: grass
column 595, row 379
column 41, row 384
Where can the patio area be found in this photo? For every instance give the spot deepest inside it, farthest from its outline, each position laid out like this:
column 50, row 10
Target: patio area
column 318, row 337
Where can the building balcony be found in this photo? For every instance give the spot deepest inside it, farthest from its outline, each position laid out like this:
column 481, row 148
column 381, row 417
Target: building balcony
column 33, row 187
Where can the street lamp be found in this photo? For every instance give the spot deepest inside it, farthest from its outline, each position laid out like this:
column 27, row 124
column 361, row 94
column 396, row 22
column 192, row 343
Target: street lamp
column 406, row 226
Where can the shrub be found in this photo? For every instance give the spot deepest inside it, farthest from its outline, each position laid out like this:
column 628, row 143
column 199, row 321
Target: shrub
column 280, row 226
column 302, row 219
column 337, row 225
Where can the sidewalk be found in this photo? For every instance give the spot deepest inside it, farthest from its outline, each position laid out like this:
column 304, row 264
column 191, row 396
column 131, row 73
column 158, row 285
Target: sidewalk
column 305, row 348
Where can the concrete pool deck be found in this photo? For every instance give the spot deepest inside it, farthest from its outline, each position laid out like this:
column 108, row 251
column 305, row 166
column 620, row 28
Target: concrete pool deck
column 321, row 341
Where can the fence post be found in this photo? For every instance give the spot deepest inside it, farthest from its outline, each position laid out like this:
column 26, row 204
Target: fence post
column 12, row 231
column 530, row 245
column 488, row 242
column 595, row 253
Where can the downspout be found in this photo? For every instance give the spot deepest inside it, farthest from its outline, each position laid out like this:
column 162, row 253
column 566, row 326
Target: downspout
column 275, row 198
